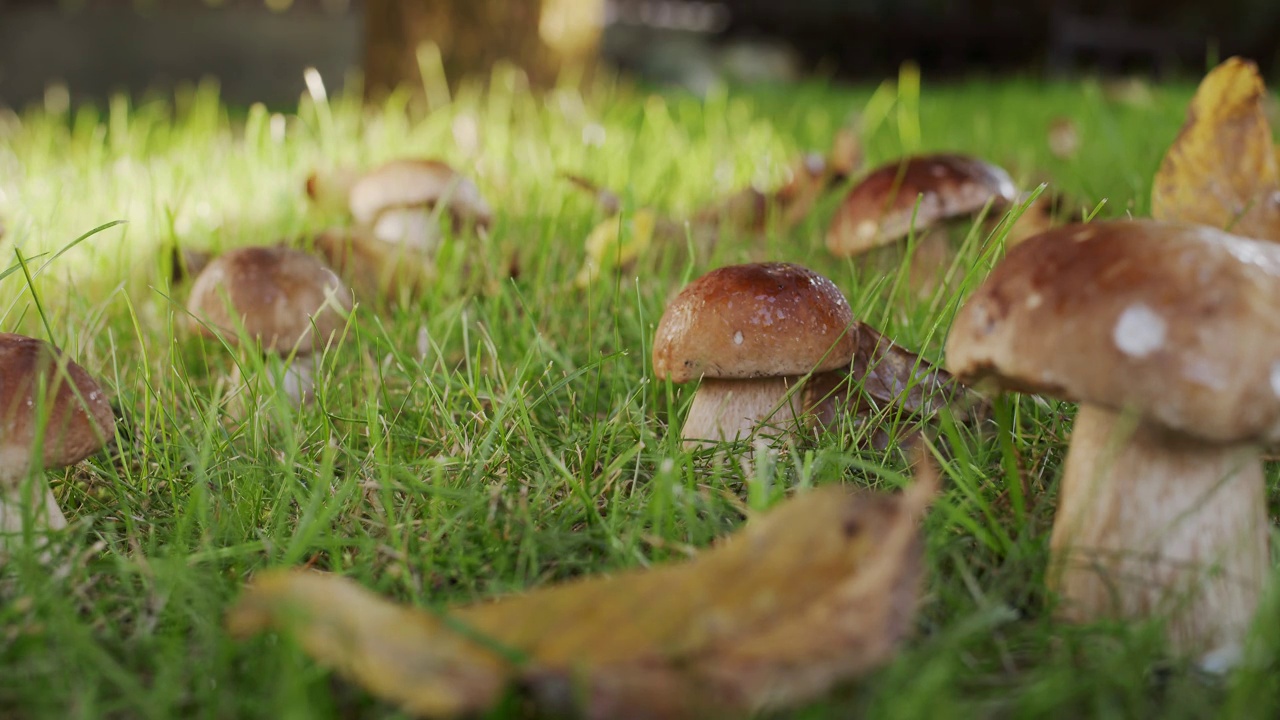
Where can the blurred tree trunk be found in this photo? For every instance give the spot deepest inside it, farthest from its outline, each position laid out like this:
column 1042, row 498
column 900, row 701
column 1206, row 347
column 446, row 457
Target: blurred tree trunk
column 540, row 36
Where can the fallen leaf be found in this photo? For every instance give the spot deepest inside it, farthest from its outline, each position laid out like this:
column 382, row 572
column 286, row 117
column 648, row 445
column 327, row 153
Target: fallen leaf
column 886, row 376
column 1222, row 169
column 616, row 243
column 813, row 593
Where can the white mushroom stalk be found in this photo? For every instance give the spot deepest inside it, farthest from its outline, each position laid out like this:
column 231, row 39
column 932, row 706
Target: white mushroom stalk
column 1167, row 336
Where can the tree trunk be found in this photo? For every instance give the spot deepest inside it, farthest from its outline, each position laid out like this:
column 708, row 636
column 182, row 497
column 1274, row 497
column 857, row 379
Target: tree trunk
column 540, row 36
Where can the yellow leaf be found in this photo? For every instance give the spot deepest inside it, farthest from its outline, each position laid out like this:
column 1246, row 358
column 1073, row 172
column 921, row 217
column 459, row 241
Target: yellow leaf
column 1222, row 169
column 813, row 593
column 616, row 243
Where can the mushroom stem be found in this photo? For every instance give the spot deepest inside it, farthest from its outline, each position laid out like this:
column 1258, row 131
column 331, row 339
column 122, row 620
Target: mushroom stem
column 44, row 513
column 1152, row 523
column 299, row 378
column 728, row 410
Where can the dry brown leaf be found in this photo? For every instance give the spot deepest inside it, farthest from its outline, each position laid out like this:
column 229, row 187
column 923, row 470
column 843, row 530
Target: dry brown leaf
column 813, row 593
column 1222, row 169
column 887, row 376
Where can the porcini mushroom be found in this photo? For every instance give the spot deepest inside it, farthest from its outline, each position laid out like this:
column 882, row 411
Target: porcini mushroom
column 401, row 200
column 283, row 300
column 750, row 333
column 931, row 191
column 1167, row 336
column 52, row 414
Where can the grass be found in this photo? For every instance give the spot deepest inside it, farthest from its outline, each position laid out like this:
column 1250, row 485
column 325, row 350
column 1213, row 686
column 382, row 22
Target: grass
column 502, row 434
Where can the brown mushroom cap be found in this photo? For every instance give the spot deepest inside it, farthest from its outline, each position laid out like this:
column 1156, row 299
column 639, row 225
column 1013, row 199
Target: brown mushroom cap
column 754, row 320
column 416, row 183
column 275, row 293
column 879, row 210
column 80, row 420
column 1177, row 322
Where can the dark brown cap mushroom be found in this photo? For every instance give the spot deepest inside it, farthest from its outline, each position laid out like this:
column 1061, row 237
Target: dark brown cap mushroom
column 1166, row 334
column 52, row 414
column 879, row 209
column 283, row 299
column 750, row 333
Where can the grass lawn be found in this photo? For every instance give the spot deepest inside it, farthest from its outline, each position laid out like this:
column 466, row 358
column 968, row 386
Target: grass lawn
column 505, row 433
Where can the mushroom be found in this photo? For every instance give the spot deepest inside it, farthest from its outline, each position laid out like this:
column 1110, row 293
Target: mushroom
column 399, row 201
column 751, row 333
column 936, row 191
column 283, row 300
column 1167, row 336
column 52, row 415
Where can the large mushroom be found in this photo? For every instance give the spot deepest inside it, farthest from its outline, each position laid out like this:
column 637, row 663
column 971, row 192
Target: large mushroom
column 750, row 334
column 1167, row 335
column 282, row 300
column 926, row 194
column 52, row 415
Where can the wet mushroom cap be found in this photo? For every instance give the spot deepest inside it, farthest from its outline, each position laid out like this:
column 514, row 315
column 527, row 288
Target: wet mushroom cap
column 751, row 321
column 1175, row 321
column 879, row 209
column 80, row 419
column 411, row 183
column 275, row 293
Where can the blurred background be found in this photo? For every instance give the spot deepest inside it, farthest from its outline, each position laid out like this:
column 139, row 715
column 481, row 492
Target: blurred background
column 56, row 51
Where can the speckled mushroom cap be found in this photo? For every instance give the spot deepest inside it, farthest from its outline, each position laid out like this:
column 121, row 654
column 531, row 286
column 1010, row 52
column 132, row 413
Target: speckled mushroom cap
column 879, row 209
column 80, row 420
column 412, row 183
column 755, row 320
column 275, row 293
column 1177, row 322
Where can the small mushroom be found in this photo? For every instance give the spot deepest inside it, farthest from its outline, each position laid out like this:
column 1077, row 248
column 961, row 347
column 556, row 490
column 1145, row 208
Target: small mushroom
column 400, row 201
column 52, row 415
column 283, row 300
column 750, row 334
column 934, row 192
column 1167, row 336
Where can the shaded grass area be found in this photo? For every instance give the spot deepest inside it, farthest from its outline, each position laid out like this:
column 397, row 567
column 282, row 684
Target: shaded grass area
column 505, row 432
